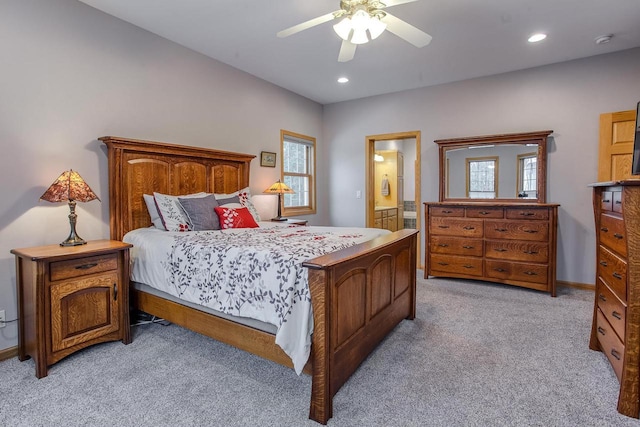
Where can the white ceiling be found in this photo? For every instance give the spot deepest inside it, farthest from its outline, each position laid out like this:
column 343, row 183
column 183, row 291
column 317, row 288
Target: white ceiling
column 471, row 38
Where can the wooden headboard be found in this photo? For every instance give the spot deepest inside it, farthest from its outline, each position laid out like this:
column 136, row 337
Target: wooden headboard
column 141, row 167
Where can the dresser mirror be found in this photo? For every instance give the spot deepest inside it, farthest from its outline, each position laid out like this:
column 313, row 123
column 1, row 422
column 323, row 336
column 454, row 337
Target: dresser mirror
column 500, row 168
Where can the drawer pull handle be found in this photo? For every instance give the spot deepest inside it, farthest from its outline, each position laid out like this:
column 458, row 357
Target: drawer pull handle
column 467, row 247
column 530, row 273
column 602, row 331
column 606, row 201
column 468, row 227
column 605, row 229
column 615, row 354
column 604, row 263
column 86, row 266
column 501, row 230
column 618, row 202
column 468, row 266
column 618, row 236
column 602, row 298
column 531, row 231
column 443, row 245
column 484, row 213
column 447, row 212
column 500, row 250
column 443, row 226
column 530, row 252
column 527, row 213
column 617, row 275
column 442, row 263
column 617, row 315
column 500, row 270
column 115, row 291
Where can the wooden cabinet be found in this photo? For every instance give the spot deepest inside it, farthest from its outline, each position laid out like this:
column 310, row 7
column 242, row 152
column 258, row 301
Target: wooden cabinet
column 616, row 310
column 617, row 131
column 506, row 243
column 70, row 298
column 386, row 218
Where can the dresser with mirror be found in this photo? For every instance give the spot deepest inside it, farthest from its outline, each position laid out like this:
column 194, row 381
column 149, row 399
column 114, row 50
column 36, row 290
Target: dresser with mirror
column 492, row 222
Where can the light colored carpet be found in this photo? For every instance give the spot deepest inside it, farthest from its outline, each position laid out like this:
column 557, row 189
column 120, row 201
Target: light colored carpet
column 478, row 354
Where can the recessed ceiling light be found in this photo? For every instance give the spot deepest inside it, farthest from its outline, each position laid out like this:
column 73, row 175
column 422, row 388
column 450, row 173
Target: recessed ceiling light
column 537, row 37
column 343, row 80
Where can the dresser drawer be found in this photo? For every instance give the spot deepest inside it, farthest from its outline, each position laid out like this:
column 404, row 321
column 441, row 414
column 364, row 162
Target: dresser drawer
column 485, row 212
column 606, row 201
column 527, row 213
column 456, row 246
column 455, row 264
column 446, row 211
column 517, row 230
column 613, row 271
column 516, row 271
column 81, row 267
column 612, row 234
column 610, row 344
column 462, row 227
column 617, row 201
column 612, row 308
column 517, row 251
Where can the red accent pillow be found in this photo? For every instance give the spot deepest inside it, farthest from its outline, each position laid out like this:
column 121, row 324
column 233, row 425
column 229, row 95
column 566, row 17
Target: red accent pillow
column 235, row 218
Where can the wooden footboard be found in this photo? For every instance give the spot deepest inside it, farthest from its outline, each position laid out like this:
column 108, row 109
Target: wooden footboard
column 359, row 295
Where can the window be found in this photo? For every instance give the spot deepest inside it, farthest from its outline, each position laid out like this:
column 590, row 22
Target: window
column 527, row 176
column 298, row 172
column 482, row 178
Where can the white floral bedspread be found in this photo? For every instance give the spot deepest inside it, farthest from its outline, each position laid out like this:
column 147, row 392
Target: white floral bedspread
column 254, row 273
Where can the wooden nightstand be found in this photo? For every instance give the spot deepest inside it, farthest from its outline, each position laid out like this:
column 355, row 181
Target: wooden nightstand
column 70, row 298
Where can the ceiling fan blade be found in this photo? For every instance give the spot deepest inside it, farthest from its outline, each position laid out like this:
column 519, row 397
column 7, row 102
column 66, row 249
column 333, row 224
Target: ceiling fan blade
column 390, row 3
column 406, row 31
column 347, row 51
column 308, row 24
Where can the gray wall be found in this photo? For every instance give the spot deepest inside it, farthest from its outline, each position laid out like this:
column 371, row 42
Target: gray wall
column 567, row 97
column 71, row 74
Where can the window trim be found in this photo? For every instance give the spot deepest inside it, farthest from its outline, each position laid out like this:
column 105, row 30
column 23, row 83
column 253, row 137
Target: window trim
column 300, row 210
column 495, row 173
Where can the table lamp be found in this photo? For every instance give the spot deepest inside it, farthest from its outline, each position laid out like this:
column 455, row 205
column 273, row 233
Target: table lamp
column 279, row 188
column 70, row 187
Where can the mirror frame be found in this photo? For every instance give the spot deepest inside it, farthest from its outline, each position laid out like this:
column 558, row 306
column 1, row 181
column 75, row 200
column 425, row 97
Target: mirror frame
column 538, row 137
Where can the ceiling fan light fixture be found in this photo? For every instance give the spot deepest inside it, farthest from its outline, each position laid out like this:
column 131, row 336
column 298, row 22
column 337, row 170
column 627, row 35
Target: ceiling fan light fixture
column 343, row 28
column 359, row 36
column 376, row 27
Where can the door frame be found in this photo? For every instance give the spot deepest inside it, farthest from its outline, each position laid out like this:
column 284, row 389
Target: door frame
column 370, row 148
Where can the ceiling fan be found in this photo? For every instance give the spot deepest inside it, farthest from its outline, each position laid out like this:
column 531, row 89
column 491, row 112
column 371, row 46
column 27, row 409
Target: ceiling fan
column 364, row 20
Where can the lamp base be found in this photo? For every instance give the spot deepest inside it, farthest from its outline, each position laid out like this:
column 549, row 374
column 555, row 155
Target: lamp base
column 77, row 241
column 279, row 219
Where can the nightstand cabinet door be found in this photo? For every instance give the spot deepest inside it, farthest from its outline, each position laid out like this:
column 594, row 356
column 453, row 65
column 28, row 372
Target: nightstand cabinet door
column 83, row 309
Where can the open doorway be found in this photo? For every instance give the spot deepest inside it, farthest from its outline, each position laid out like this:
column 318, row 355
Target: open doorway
column 393, row 181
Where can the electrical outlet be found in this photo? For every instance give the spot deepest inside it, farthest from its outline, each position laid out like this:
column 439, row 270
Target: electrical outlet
column 2, row 319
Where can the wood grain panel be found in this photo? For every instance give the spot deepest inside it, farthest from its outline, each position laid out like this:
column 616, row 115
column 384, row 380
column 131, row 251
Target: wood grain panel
column 350, row 305
column 612, row 234
column 456, row 246
column 226, row 178
column 610, row 344
column 617, row 131
column 143, row 176
column 381, row 285
column 80, row 267
column 613, row 270
column 614, row 310
column 456, row 226
column 534, row 273
column 188, row 178
column 404, row 273
column 455, row 264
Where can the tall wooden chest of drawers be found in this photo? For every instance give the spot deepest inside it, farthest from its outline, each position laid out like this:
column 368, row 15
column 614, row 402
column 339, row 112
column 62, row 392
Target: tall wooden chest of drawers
column 616, row 311
column 510, row 243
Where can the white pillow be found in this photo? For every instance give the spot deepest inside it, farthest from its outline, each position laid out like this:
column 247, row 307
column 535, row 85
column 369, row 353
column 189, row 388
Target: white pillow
column 153, row 211
column 245, row 200
column 171, row 212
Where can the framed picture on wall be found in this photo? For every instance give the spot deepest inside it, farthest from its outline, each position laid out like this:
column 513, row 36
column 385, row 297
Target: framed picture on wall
column 268, row 159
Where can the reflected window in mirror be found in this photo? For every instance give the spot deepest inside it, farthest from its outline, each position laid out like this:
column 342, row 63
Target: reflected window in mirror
column 527, row 176
column 482, row 177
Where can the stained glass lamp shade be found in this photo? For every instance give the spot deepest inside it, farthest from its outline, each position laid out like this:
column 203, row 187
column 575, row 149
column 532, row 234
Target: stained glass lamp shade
column 279, row 188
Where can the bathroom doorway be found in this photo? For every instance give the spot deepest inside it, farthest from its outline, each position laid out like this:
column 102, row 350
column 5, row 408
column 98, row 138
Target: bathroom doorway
column 393, row 181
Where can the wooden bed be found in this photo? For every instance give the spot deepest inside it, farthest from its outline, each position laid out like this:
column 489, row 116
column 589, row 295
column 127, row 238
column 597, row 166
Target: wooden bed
column 359, row 294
